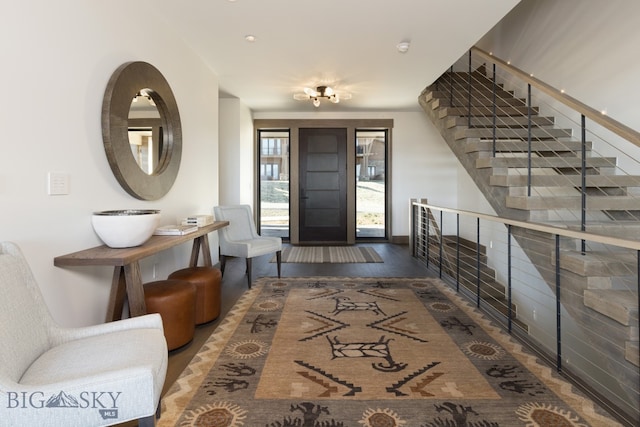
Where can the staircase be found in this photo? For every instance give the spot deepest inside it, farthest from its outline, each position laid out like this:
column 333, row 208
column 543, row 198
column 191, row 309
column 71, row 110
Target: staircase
column 463, row 259
column 595, row 298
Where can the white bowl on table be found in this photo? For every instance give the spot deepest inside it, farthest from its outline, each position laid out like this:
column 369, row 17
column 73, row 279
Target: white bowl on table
column 125, row 228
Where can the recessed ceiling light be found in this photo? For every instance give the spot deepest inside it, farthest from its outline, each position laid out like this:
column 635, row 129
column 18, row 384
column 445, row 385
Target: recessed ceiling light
column 403, row 47
column 250, row 38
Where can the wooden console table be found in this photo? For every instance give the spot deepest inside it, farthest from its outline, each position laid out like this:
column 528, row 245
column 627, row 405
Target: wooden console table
column 127, row 281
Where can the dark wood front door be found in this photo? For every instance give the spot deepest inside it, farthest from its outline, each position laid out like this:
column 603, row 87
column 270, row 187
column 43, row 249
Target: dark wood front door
column 323, row 185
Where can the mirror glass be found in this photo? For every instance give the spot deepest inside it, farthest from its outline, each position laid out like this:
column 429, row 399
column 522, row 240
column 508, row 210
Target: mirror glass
column 141, row 130
column 145, row 131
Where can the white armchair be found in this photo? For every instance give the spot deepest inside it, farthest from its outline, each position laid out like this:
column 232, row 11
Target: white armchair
column 240, row 238
column 91, row 376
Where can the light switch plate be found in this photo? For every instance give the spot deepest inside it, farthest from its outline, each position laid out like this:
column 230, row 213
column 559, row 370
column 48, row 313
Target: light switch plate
column 57, row 183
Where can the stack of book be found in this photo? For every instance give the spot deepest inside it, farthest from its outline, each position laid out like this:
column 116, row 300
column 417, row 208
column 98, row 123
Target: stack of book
column 198, row 220
column 175, row 230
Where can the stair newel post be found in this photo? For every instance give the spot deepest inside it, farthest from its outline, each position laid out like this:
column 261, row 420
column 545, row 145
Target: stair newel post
column 494, row 109
column 414, row 233
column 509, row 314
column 558, row 312
column 469, row 93
column 583, row 172
column 428, row 212
column 478, row 262
column 441, row 244
column 457, row 252
column 529, row 140
column 638, row 289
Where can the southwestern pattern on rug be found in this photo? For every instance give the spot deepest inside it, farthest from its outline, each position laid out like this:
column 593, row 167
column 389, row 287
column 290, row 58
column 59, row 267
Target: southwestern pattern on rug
column 377, row 352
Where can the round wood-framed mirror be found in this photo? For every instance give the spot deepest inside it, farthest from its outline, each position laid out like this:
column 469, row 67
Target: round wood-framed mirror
column 129, row 82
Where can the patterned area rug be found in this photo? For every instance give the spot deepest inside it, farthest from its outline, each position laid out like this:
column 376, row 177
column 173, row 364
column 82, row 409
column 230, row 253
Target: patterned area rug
column 328, row 254
column 376, row 352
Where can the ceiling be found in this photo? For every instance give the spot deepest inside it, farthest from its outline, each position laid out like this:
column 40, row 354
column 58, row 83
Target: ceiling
column 349, row 45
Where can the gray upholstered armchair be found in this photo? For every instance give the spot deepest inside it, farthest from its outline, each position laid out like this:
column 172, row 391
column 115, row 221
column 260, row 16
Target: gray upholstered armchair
column 240, row 238
column 90, row 376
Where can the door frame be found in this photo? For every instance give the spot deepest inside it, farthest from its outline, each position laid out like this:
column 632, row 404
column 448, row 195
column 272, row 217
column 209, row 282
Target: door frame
column 294, row 188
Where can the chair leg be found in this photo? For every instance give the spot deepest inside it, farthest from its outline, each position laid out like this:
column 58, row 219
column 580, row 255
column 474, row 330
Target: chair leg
column 249, row 271
column 279, row 259
column 223, row 262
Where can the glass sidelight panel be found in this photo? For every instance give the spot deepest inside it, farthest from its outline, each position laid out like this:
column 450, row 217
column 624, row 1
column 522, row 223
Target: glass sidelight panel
column 371, row 183
column 274, row 183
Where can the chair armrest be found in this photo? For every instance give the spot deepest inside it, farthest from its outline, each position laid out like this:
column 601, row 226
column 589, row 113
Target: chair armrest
column 148, row 321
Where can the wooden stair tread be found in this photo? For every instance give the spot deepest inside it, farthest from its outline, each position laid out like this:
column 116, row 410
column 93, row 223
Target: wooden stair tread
column 600, row 181
column 619, row 305
column 445, row 93
column 519, row 133
column 501, row 121
column 598, row 263
column 593, row 203
column 478, row 100
column 485, row 111
column 543, row 162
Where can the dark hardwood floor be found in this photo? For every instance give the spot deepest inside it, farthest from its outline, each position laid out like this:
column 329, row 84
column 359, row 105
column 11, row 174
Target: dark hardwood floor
column 398, row 262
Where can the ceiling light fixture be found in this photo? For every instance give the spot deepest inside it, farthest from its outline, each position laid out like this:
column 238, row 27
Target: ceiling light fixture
column 250, row 38
column 320, row 92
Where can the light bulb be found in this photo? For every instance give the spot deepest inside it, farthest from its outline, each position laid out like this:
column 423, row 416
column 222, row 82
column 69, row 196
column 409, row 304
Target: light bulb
column 310, row 92
column 316, row 102
column 328, row 91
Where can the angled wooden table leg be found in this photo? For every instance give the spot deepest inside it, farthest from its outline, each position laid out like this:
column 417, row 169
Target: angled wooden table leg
column 135, row 291
column 116, row 295
column 200, row 243
column 206, row 251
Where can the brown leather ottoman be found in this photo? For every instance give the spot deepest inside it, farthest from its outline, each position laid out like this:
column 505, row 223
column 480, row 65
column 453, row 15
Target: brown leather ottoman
column 207, row 282
column 175, row 300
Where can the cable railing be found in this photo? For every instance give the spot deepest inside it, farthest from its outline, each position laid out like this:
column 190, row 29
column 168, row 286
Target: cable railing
column 556, row 159
column 576, row 310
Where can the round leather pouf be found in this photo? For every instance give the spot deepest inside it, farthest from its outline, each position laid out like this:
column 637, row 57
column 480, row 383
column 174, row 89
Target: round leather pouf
column 207, row 281
column 175, row 300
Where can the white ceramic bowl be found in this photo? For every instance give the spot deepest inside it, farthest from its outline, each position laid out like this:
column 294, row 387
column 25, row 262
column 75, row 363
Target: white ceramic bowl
column 125, row 228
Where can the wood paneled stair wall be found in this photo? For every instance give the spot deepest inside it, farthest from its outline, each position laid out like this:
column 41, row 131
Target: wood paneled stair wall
column 606, row 311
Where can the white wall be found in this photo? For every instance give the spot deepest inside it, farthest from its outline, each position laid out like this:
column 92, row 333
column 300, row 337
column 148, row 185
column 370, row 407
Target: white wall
column 422, row 165
column 237, row 153
column 57, row 59
column 587, row 47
